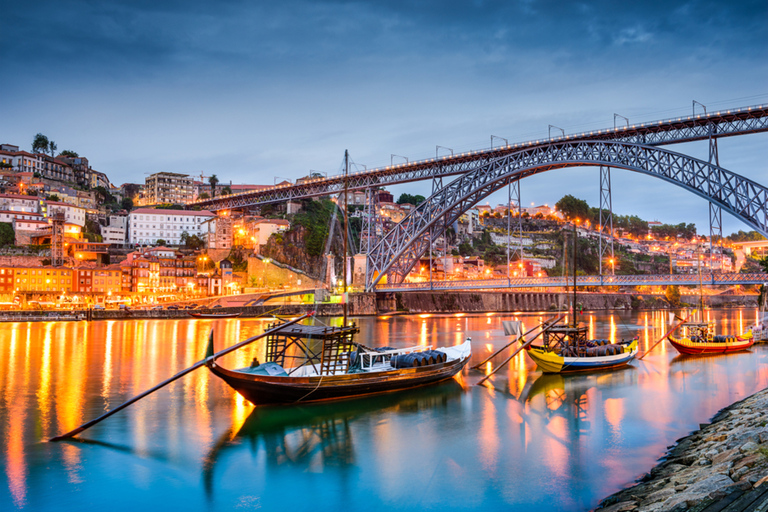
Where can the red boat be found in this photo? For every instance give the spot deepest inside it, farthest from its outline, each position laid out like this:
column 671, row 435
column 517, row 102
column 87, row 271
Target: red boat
column 699, row 338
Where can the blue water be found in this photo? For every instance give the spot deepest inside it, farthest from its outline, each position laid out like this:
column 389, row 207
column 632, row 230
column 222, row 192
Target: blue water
column 526, row 442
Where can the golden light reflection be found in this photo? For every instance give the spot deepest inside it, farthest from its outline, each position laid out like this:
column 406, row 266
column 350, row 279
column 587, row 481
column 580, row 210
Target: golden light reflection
column 489, row 437
column 15, row 467
column 107, row 377
column 614, row 411
column 44, row 388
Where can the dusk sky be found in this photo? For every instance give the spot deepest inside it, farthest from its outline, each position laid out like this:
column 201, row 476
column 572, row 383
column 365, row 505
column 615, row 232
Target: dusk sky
column 251, row 91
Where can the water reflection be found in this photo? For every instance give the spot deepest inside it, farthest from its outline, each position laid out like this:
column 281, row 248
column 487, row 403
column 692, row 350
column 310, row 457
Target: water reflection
column 528, row 441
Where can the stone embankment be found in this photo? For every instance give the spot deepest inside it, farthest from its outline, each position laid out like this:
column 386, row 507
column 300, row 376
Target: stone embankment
column 712, row 469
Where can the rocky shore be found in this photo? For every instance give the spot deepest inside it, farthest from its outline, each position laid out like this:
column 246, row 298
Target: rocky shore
column 721, row 461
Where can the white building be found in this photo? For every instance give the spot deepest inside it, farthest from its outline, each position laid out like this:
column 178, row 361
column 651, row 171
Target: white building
column 9, row 216
column 19, row 203
column 72, row 214
column 264, row 228
column 113, row 235
column 148, row 225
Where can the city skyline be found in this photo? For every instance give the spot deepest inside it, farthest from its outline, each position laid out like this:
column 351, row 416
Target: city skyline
column 258, row 93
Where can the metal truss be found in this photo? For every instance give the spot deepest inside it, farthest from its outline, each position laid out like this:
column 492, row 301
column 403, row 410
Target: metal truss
column 715, row 212
column 606, row 217
column 514, row 195
column 563, row 281
column 398, row 250
column 368, row 232
column 682, row 129
column 715, row 230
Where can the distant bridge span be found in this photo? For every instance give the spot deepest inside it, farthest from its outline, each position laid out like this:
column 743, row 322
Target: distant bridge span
column 567, row 281
column 397, row 251
column 725, row 123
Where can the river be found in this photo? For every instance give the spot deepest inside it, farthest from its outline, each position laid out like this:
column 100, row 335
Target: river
column 526, row 442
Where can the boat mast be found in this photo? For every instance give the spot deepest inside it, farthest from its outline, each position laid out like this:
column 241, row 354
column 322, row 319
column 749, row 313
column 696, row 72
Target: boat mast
column 575, row 323
column 346, row 235
column 701, row 285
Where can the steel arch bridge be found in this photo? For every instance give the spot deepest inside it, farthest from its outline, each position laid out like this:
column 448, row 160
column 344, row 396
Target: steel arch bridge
column 712, row 126
column 397, row 251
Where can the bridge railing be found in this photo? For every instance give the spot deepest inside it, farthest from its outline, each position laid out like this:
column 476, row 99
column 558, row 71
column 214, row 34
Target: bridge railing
column 562, row 281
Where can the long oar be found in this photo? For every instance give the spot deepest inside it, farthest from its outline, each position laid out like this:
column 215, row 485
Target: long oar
column 521, row 337
column 513, row 355
column 210, row 356
column 665, row 337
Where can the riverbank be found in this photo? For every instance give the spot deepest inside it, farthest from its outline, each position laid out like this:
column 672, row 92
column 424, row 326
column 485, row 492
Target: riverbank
column 716, row 466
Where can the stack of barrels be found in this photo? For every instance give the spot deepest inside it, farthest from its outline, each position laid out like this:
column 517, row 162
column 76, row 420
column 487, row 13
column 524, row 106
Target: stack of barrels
column 417, row 359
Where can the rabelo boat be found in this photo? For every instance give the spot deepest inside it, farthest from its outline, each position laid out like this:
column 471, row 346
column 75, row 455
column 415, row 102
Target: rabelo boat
column 699, row 338
column 306, row 363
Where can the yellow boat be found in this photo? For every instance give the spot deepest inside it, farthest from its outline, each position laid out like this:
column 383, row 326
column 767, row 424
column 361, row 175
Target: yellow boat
column 566, row 349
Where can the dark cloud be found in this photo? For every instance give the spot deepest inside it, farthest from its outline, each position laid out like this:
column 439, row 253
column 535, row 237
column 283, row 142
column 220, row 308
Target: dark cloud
column 257, row 89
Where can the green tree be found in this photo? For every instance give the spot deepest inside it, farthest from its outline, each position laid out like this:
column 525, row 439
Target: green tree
column 204, row 195
column 103, row 195
column 466, row 249
column 226, row 191
column 40, row 144
column 69, row 153
column 764, row 264
column 672, row 293
column 573, row 207
column 193, row 242
column 52, row 147
column 213, row 181
column 410, row 199
column 52, row 197
column 127, row 203
column 160, row 242
column 7, row 235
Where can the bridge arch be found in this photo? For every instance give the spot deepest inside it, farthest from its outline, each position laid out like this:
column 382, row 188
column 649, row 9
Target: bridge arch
column 399, row 250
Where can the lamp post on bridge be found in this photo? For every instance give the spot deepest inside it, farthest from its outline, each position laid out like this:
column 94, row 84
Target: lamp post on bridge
column 497, row 137
column 618, row 115
column 556, row 127
column 392, row 158
column 443, row 147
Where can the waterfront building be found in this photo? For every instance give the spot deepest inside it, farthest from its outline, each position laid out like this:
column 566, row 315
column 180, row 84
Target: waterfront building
column 168, row 187
column 39, row 279
column 146, row 225
column 158, row 269
column 107, row 280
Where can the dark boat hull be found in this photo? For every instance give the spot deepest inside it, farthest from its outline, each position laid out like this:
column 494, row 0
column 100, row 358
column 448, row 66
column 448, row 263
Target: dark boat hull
column 214, row 315
column 261, row 389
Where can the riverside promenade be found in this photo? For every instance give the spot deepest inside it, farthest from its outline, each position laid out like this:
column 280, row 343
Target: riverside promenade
column 722, row 467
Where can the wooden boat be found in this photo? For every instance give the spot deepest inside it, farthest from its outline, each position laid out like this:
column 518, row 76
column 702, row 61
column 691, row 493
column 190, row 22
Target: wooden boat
column 566, row 349
column 214, row 315
column 699, row 338
column 335, row 367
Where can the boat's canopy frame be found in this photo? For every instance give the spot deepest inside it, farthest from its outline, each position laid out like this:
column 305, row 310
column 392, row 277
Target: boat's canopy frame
column 312, row 345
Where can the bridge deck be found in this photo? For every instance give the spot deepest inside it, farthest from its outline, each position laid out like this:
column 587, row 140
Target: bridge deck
column 606, row 280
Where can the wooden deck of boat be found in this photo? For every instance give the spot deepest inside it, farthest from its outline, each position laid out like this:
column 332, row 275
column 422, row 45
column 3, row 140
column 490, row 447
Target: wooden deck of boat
column 753, row 500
